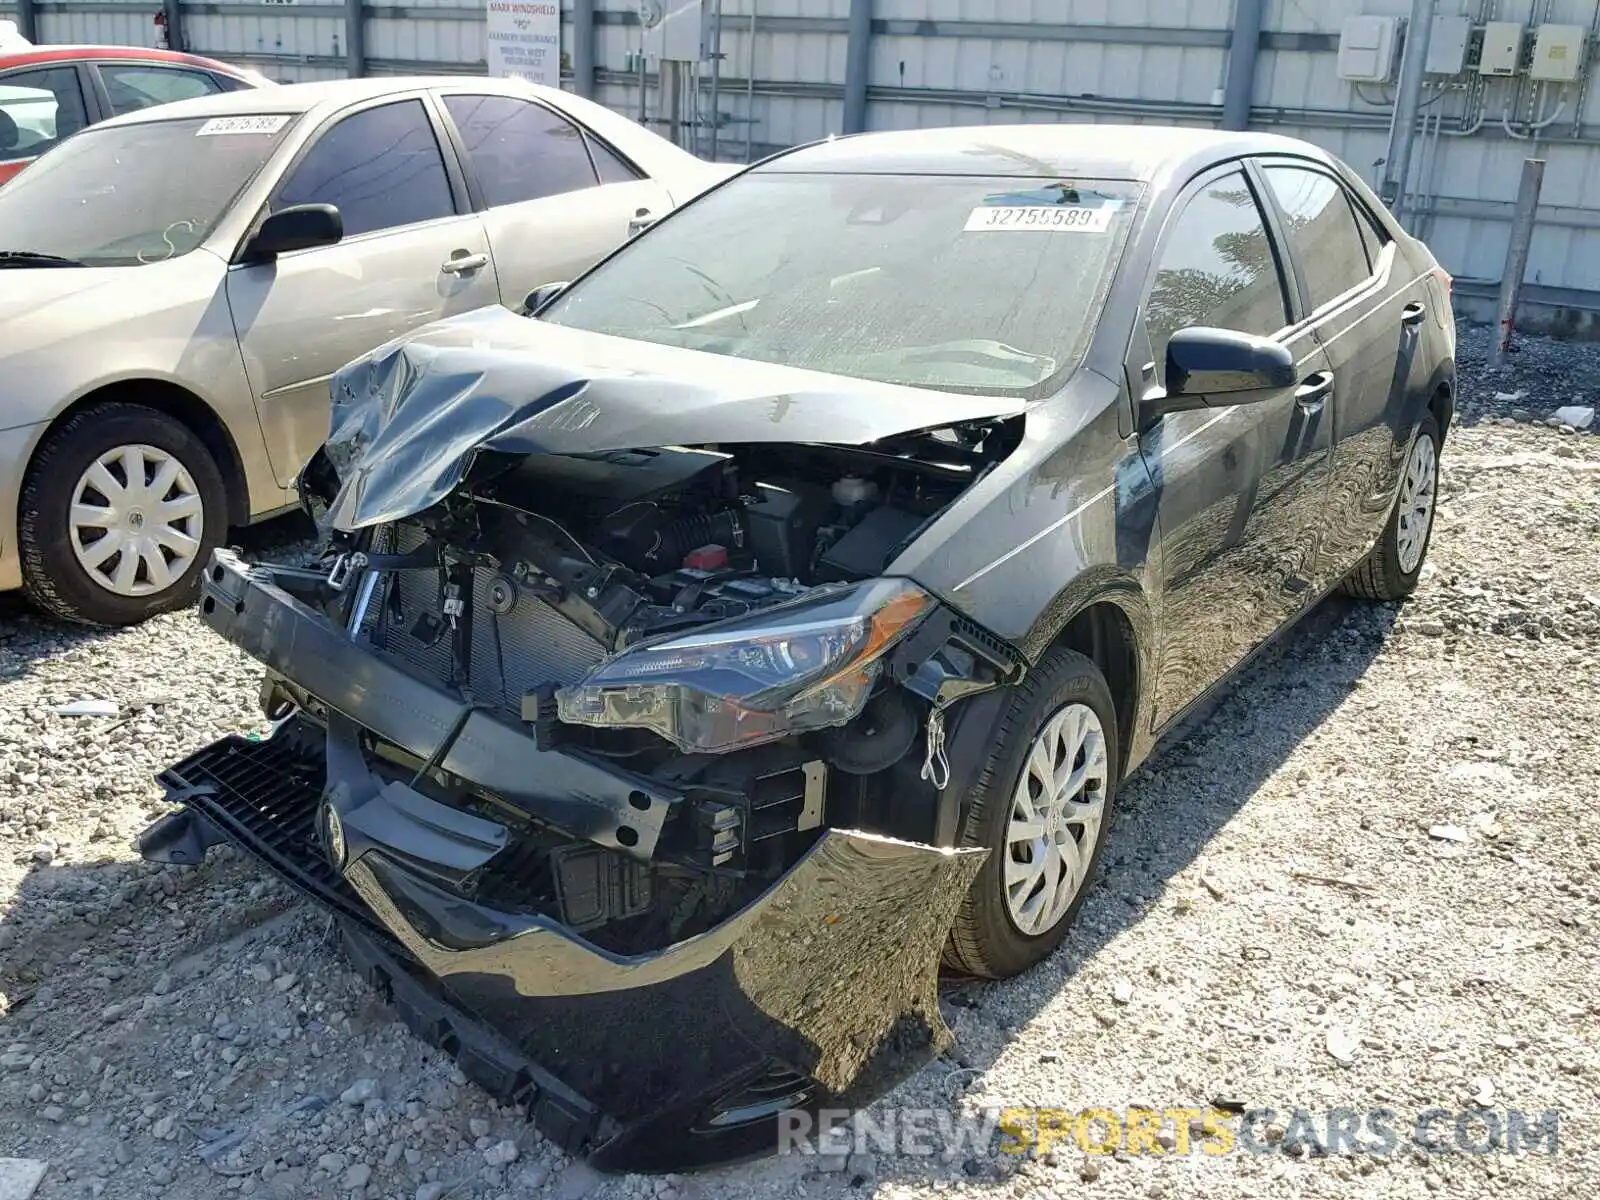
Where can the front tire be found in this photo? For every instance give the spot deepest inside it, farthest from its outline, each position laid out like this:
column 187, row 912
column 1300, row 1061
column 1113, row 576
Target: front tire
column 1042, row 808
column 1393, row 568
column 121, row 509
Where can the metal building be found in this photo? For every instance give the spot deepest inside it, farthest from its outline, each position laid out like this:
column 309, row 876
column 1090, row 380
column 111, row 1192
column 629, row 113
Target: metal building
column 1506, row 80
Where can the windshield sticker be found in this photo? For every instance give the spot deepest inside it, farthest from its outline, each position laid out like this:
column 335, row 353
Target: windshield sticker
column 218, row 126
column 1042, row 218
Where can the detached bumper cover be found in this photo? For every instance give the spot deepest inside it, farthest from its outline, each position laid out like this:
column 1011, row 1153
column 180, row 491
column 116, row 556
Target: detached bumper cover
column 823, row 991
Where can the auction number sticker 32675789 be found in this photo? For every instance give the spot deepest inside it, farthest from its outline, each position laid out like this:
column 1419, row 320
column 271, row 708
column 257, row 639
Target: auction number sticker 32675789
column 1041, row 218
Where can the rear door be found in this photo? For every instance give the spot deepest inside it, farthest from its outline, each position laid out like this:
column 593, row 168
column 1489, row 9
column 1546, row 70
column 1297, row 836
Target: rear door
column 413, row 252
column 39, row 106
column 1369, row 316
column 1240, row 488
column 555, row 198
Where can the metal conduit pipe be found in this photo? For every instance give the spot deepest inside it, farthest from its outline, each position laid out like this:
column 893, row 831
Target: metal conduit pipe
column 583, row 48
column 857, row 66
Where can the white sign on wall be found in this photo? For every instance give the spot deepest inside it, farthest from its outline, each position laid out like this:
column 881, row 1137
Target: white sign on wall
column 525, row 40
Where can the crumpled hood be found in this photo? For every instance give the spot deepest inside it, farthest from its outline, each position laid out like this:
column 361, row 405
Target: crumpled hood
column 408, row 419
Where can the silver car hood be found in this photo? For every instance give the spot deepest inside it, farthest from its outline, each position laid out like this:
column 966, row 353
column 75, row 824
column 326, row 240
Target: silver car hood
column 408, row 419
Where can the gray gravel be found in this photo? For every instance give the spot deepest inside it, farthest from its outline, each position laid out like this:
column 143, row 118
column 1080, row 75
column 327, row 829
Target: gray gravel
column 1369, row 879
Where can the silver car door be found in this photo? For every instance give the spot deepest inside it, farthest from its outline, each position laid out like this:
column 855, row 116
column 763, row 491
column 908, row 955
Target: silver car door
column 555, row 198
column 412, row 253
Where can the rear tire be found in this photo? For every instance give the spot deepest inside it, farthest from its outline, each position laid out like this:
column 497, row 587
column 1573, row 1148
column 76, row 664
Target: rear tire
column 1393, row 568
column 120, row 510
column 1060, row 722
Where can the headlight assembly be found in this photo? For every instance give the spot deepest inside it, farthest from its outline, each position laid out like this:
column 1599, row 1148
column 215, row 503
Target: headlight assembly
column 797, row 667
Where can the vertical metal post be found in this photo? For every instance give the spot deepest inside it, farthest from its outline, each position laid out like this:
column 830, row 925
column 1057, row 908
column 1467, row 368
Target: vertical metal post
column 355, row 38
column 174, row 12
column 672, row 99
column 1522, row 223
column 1403, row 130
column 1239, row 92
column 716, row 77
column 27, row 22
column 750, row 86
column 857, row 66
column 583, row 48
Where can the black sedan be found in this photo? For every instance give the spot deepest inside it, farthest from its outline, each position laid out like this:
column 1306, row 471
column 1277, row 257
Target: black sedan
column 774, row 609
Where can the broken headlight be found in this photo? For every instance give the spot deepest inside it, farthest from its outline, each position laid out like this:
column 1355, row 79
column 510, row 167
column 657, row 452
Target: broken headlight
column 801, row 666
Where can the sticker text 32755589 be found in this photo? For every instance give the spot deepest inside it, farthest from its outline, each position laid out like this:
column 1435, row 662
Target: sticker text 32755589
column 1041, row 218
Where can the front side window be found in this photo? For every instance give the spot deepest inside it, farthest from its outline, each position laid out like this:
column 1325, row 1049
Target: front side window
column 39, row 108
column 988, row 285
column 100, row 199
column 381, row 168
column 1322, row 231
column 1217, row 270
column 135, row 86
column 519, row 150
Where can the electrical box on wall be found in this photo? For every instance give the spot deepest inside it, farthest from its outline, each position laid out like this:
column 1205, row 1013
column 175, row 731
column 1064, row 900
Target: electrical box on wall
column 1367, row 49
column 1447, row 46
column 674, row 29
column 1502, row 48
column 1558, row 54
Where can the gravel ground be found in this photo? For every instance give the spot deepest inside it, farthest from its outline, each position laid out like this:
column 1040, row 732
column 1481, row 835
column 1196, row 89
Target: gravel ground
column 1368, row 880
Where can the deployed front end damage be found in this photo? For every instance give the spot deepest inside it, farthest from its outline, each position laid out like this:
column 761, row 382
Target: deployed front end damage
column 622, row 767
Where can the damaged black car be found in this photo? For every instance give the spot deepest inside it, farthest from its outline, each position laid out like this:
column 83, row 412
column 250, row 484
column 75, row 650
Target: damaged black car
column 767, row 616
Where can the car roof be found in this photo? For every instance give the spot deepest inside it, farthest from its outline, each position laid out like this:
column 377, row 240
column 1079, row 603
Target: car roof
column 1136, row 153
column 26, row 55
column 326, row 96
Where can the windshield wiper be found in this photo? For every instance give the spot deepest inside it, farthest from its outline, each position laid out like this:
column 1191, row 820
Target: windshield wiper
column 33, row 258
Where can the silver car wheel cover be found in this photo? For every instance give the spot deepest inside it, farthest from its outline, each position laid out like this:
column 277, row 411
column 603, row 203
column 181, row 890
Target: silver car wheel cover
column 137, row 520
column 1057, row 812
column 1418, row 491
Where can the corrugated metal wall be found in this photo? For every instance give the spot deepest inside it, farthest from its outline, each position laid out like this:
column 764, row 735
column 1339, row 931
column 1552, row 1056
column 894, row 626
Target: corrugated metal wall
column 936, row 62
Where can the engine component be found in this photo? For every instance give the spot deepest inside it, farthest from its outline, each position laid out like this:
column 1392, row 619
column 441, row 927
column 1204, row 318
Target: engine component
column 500, row 596
column 854, row 496
column 707, row 558
column 875, row 741
column 865, row 550
column 782, row 524
column 583, row 489
column 642, row 536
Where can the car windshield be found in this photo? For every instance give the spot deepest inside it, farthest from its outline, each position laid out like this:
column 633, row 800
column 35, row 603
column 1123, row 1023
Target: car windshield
column 133, row 194
column 985, row 285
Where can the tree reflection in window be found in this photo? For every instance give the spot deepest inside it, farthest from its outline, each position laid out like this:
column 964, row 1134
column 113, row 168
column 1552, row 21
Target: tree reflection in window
column 1217, row 270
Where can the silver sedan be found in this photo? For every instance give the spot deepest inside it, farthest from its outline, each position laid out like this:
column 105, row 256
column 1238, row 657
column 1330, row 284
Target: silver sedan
column 178, row 285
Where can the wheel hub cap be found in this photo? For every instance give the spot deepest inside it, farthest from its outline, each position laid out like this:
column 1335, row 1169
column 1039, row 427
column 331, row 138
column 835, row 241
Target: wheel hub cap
column 137, row 520
column 1056, row 816
column 1417, row 492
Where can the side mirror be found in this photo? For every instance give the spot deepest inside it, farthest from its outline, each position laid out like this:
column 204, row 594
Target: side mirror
column 1217, row 367
column 542, row 295
column 642, row 219
column 299, row 227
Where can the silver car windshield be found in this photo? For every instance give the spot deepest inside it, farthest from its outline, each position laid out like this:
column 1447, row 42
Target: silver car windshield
column 136, row 194
column 987, row 285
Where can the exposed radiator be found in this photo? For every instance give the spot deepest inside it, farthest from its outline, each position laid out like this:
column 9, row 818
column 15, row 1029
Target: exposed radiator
column 536, row 644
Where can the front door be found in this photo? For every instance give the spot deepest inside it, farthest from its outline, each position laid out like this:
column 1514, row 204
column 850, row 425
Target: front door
column 411, row 254
column 556, row 199
column 1239, row 487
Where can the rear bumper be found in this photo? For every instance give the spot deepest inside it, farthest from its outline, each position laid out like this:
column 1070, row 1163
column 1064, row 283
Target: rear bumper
column 820, row 992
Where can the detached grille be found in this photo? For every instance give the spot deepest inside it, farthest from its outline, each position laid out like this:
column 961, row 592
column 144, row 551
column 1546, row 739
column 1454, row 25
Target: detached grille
column 264, row 796
column 536, row 644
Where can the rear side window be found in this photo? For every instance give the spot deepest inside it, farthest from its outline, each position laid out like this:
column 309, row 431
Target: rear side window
column 519, row 150
column 612, row 169
column 134, row 86
column 37, row 109
column 1373, row 236
column 1217, row 269
column 380, row 167
column 1322, row 231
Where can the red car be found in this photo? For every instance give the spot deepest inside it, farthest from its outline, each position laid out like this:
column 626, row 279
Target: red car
column 49, row 92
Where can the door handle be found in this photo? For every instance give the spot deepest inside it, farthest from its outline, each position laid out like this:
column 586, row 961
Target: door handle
column 1413, row 314
column 463, row 263
column 1314, row 391
column 642, row 220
